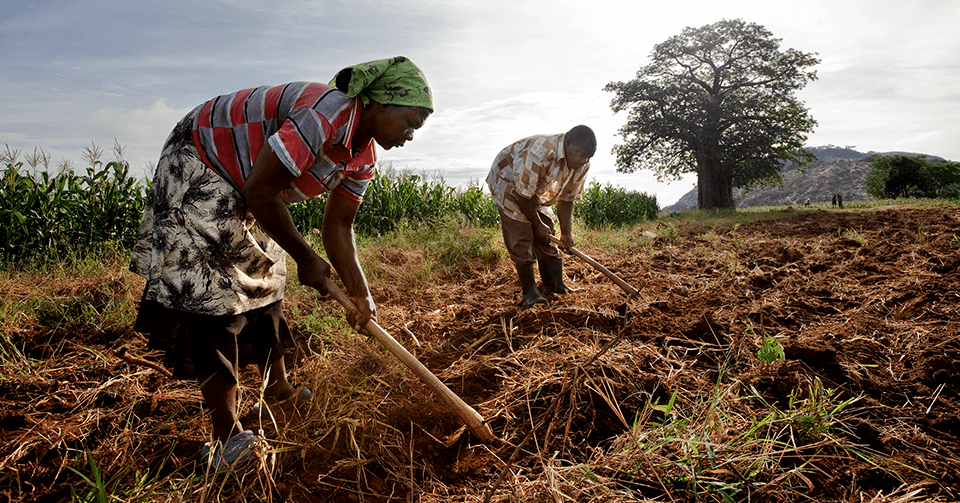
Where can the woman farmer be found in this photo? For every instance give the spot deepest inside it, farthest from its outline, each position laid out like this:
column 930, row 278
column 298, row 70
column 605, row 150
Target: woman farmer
column 216, row 230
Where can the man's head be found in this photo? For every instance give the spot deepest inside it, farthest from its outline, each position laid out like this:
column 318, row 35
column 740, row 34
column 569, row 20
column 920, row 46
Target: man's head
column 579, row 145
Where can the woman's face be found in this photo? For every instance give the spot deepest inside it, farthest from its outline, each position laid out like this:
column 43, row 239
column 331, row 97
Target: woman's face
column 395, row 124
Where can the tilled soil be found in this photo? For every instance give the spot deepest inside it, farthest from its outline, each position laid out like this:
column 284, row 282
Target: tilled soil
column 594, row 396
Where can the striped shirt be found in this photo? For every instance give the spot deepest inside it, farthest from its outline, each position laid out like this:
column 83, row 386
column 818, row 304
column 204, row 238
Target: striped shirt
column 309, row 126
column 534, row 168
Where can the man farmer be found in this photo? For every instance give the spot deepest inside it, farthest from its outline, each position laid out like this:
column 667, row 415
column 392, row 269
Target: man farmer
column 526, row 179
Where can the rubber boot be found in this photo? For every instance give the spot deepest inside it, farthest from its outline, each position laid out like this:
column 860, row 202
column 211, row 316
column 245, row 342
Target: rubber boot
column 528, row 285
column 546, row 280
column 551, row 272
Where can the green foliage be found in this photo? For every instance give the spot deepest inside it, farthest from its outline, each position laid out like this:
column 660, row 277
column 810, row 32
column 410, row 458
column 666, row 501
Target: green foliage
column 815, row 414
column 53, row 216
column 308, row 214
column 441, row 247
column 394, row 198
column 717, row 100
column 771, row 350
column 609, row 206
column 669, row 232
column 902, row 176
column 946, row 175
column 456, row 241
column 876, row 181
column 319, row 324
column 128, row 484
column 49, row 217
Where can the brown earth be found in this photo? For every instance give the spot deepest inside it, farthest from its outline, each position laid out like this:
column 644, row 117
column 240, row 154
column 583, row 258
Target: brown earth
column 662, row 397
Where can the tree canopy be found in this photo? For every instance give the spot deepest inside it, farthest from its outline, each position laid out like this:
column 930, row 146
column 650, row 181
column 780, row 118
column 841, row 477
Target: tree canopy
column 907, row 176
column 719, row 101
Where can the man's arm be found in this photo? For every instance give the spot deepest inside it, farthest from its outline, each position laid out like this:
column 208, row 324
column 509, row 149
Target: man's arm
column 530, row 209
column 565, row 216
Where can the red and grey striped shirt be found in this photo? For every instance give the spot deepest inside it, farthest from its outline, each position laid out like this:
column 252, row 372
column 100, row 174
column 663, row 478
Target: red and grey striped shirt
column 309, row 126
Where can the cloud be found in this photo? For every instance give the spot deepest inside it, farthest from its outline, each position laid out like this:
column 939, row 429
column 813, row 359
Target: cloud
column 95, row 70
column 142, row 130
column 64, row 132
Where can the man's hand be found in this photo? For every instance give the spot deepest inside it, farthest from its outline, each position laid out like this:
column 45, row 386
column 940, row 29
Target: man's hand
column 566, row 241
column 366, row 311
column 541, row 232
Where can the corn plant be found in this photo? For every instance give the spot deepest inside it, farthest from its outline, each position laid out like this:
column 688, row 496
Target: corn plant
column 51, row 216
column 397, row 198
column 608, row 206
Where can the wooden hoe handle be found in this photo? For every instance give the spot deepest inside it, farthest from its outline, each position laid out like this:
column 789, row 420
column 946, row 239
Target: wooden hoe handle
column 631, row 291
column 470, row 417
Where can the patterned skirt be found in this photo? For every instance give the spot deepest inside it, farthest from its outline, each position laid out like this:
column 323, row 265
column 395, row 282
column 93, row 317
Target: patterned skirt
column 199, row 247
column 209, row 267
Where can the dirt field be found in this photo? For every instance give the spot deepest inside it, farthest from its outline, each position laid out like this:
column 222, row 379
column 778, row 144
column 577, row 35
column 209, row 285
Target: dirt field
column 662, row 397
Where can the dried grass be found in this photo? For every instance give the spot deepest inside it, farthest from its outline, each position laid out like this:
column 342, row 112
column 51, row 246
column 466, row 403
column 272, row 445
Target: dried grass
column 671, row 403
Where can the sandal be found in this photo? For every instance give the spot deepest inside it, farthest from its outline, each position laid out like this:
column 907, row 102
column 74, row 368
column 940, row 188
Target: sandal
column 238, row 449
column 301, row 396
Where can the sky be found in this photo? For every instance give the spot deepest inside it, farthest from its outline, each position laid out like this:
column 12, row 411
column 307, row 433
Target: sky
column 74, row 74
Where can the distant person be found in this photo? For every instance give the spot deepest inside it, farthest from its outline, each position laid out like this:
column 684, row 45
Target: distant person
column 840, row 200
column 526, row 179
column 834, row 201
column 216, row 230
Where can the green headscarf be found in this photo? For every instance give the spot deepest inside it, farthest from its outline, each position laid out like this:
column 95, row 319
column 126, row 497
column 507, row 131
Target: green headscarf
column 394, row 81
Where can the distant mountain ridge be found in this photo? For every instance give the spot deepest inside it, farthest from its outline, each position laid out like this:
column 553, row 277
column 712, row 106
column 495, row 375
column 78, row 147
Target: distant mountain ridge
column 836, row 170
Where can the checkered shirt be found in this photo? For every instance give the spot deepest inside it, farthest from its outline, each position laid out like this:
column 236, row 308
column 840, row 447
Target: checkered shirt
column 534, row 168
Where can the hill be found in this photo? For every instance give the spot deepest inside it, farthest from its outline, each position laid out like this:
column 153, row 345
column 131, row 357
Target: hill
column 836, row 170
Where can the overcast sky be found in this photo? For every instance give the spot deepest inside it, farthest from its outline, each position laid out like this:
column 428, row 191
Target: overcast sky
column 76, row 72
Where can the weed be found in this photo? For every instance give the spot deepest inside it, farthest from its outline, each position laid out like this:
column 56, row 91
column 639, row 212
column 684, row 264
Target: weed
column 669, row 232
column 853, row 235
column 587, row 473
column 815, row 414
column 770, row 351
column 729, row 273
column 127, row 484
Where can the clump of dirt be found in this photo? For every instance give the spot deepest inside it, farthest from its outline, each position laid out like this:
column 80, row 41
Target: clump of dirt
column 811, row 357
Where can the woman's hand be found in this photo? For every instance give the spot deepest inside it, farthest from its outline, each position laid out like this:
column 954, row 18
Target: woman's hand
column 314, row 273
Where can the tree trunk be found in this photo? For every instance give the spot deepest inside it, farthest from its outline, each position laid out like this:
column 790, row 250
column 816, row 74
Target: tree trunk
column 714, row 186
column 714, row 181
